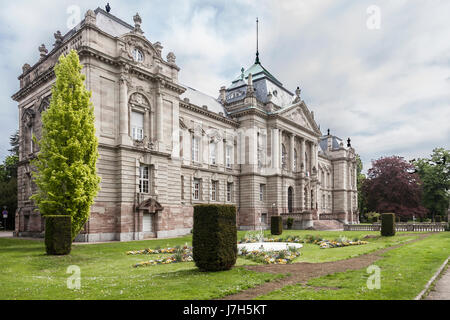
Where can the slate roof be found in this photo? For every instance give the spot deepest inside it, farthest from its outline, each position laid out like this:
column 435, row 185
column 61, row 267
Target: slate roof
column 200, row 99
column 263, row 83
column 335, row 143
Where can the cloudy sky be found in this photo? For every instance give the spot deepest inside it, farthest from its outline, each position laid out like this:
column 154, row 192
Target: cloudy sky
column 375, row 71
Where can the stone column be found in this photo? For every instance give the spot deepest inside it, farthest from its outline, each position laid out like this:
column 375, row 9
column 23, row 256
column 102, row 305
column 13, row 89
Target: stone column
column 159, row 115
column 280, row 149
column 275, row 148
column 291, row 151
column 302, row 154
column 123, row 110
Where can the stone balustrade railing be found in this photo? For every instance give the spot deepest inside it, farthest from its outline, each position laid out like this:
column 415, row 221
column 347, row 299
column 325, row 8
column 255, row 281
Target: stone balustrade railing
column 411, row 227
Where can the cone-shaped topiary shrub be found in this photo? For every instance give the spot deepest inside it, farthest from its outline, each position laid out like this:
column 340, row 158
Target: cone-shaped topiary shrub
column 214, row 237
column 58, row 234
column 387, row 224
column 276, row 225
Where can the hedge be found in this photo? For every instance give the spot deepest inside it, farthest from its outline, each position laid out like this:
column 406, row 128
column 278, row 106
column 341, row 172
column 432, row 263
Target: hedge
column 290, row 223
column 276, row 225
column 387, row 224
column 58, row 234
column 214, row 238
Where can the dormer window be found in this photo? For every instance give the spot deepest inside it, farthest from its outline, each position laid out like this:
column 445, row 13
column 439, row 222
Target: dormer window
column 138, row 56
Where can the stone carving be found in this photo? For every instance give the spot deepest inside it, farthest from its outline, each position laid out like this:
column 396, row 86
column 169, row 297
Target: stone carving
column 26, row 67
column 139, row 99
column 42, row 104
column 158, row 48
column 58, row 38
column 43, row 51
column 90, row 18
column 137, row 24
column 171, row 58
column 297, row 117
column 297, row 95
column 28, row 116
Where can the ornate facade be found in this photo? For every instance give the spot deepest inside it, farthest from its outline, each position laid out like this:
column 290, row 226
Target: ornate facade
column 165, row 147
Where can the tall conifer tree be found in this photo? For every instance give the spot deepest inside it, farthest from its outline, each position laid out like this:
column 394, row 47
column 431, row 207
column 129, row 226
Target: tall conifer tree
column 65, row 168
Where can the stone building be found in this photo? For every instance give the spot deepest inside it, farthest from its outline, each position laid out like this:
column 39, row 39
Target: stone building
column 164, row 147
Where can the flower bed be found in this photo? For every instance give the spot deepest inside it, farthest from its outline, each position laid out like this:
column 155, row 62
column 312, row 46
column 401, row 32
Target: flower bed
column 159, row 250
column 323, row 243
column 183, row 254
column 271, row 257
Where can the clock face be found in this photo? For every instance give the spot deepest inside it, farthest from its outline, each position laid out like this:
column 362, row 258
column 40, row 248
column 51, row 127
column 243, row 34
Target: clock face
column 138, row 56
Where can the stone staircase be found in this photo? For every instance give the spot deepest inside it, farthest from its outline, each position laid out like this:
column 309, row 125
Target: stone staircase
column 328, row 225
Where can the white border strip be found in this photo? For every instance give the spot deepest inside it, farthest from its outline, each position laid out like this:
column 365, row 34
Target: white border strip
column 427, row 286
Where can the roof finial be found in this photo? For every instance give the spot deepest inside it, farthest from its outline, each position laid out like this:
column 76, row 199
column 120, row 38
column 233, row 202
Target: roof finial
column 108, row 7
column 257, row 49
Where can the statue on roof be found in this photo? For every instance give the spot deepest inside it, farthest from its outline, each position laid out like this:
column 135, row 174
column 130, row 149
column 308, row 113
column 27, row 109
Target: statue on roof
column 108, row 7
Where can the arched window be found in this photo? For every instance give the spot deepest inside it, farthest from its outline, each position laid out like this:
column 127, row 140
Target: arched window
column 290, row 199
column 283, row 156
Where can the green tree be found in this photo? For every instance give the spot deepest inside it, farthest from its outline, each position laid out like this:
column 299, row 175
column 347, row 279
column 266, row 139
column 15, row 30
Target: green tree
column 360, row 178
column 435, row 175
column 8, row 181
column 65, row 168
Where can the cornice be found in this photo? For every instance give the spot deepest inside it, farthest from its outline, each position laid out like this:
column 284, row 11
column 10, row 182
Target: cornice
column 208, row 113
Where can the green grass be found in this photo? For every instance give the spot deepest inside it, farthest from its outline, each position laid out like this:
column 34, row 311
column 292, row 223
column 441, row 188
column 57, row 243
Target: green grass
column 404, row 273
column 312, row 253
column 107, row 272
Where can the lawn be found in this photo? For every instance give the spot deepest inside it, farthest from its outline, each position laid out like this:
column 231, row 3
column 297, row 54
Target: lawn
column 107, row 272
column 404, row 273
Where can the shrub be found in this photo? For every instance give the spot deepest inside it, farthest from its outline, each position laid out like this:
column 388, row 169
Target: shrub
column 214, row 237
column 276, row 225
column 58, row 234
column 290, row 223
column 372, row 217
column 388, row 224
column 437, row 219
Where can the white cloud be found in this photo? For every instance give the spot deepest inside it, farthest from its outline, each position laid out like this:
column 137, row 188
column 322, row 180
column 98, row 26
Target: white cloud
column 388, row 89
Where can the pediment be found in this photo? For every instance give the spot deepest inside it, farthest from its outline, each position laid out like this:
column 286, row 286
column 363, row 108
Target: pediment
column 301, row 116
column 131, row 41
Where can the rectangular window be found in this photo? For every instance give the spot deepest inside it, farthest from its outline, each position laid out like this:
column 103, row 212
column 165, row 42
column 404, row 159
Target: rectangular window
column 196, row 191
column 195, row 149
column 143, row 179
column 137, row 125
column 228, row 154
column 262, row 190
column 229, row 191
column 212, row 153
column 214, row 190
